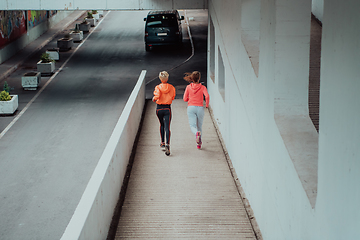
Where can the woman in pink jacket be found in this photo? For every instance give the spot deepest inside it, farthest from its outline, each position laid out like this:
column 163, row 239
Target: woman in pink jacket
column 194, row 95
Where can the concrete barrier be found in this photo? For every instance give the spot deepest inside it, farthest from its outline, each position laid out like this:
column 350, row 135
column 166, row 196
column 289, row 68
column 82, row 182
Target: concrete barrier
column 93, row 215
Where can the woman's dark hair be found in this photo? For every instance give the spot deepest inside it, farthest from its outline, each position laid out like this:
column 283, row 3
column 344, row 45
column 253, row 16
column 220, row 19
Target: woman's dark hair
column 192, row 77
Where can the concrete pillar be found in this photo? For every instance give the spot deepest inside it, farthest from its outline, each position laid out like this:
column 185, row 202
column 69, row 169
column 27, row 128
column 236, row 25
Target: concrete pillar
column 338, row 201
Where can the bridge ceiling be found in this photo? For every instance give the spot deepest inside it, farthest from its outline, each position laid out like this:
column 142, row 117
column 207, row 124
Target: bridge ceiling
column 101, row 4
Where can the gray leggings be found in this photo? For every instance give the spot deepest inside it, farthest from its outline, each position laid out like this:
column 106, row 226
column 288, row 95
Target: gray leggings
column 196, row 118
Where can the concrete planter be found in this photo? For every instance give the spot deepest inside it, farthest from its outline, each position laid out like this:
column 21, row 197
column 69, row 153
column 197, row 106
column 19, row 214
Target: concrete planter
column 9, row 107
column 53, row 53
column 91, row 21
column 77, row 36
column 65, row 44
column 46, row 68
column 31, row 80
column 84, row 26
column 101, row 13
column 96, row 16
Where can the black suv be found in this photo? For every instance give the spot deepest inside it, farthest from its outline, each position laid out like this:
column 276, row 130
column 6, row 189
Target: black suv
column 163, row 28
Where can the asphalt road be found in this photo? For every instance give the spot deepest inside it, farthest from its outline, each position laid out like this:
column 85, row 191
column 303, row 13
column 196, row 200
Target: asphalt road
column 49, row 154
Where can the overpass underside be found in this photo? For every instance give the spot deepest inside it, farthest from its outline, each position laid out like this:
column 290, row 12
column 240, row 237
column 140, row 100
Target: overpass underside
column 102, row 5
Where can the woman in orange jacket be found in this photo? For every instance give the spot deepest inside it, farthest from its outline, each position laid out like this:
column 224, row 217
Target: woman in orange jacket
column 164, row 94
column 194, row 95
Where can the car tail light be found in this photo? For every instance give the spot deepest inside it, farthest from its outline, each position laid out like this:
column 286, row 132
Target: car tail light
column 146, row 34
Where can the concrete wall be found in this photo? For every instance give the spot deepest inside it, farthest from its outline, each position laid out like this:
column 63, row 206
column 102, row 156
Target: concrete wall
column 318, row 9
column 300, row 184
column 102, row 5
column 338, row 201
column 11, row 49
column 95, row 210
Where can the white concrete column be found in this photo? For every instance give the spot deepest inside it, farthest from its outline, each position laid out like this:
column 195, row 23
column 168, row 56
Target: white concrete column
column 338, row 201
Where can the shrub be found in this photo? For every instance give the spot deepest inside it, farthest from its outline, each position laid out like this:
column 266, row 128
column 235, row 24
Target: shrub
column 5, row 96
column 45, row 58
column 77, row 28
column 6, row 87
column 89, row 15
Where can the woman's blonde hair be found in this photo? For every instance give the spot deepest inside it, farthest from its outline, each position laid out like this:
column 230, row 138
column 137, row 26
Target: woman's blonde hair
column 193, row 77
column 164, row 76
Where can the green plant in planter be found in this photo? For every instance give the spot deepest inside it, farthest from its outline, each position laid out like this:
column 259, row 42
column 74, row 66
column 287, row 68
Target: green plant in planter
column 89, row 15
column 94, row 12
column 5, row 96
column 45, row 58
column 77, row 28
column 6, row 87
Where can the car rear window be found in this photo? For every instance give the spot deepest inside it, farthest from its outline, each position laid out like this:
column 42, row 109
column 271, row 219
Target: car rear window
column 162, row 20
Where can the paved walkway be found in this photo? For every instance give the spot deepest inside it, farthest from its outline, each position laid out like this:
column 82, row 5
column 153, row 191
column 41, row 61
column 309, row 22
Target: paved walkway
column 190, row 194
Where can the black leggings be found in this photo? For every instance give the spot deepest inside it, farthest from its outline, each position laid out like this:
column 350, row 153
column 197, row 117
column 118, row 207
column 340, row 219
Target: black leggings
column 163, row 112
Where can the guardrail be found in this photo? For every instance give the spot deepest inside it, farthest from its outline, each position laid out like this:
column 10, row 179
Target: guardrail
column 93, row 215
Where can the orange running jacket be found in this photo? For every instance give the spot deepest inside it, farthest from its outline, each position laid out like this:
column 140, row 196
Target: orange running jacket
column 164, row 93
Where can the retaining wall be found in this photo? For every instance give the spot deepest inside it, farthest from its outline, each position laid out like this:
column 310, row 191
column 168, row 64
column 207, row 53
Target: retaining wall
column 93, row 215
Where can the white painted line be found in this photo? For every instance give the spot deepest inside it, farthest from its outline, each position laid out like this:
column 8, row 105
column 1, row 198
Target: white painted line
column 192, row 49
column 47, row 83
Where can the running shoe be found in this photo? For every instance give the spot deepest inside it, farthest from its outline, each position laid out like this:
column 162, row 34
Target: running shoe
column 167, row 150
column 162, row 145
